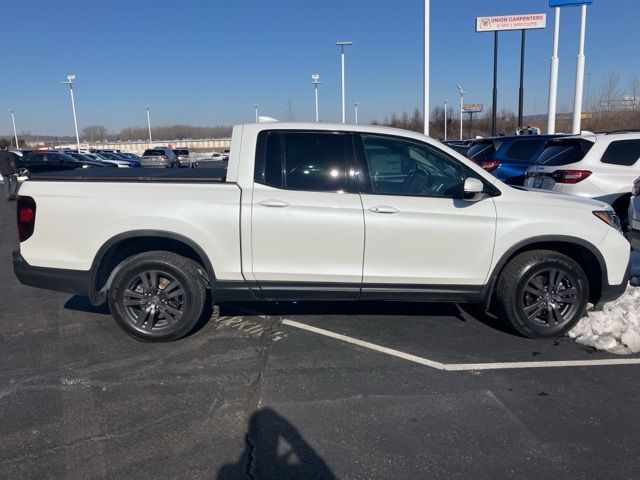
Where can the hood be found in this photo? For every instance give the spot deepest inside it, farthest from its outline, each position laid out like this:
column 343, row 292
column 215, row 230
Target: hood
column 554, row 198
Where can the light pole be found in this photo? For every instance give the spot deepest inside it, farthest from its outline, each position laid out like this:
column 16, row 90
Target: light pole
column 425, row 79
column 445, row 120
column 553, row 80
column 149, row 124
column 13, row 121
column 462, row 94
column 315, row 79
column 342, row 45
column 577, row 101
column 256, row 108
column 70, row 80
column 356, row 109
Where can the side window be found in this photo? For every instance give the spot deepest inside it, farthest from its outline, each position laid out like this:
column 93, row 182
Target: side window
column 622, row 152
column 403, row 167
column 315, row 161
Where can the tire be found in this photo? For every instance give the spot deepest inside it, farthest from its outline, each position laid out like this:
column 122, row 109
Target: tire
column 157, row 296
column 542, row 293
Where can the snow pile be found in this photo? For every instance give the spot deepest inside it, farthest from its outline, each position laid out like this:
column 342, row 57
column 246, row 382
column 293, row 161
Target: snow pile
column 616, row 328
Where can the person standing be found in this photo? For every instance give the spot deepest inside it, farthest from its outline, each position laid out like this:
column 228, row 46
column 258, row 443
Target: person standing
column 8, row 170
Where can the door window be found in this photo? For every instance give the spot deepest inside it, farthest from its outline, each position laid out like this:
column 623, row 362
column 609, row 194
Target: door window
column 402, row 167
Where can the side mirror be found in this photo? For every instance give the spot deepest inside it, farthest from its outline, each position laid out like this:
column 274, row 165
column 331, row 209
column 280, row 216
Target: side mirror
column 473, row 189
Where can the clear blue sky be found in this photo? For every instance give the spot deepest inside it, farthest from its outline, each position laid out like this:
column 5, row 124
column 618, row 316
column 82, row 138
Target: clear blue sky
column 208, row 62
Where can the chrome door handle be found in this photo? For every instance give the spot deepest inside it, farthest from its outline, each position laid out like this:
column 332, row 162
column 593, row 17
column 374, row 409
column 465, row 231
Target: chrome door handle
column 384, row 209
column 273, row 203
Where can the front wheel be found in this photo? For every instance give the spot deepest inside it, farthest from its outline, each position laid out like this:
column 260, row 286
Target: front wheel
column 157, row 296
column 542, row 293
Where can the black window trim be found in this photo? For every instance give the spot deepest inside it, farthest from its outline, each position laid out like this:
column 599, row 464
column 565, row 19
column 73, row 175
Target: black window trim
column 366, row 185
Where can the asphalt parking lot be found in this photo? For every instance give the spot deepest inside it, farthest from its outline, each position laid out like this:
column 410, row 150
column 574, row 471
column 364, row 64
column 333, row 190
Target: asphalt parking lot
column 257, row 393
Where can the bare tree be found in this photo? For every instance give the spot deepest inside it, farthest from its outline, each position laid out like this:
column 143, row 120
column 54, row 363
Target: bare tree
column 610, row 94
column 290, row 112
column 94, row 133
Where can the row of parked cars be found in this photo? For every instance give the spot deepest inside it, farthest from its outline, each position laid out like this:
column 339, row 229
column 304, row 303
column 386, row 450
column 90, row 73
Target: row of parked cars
column 602, row 166
column 51, row 160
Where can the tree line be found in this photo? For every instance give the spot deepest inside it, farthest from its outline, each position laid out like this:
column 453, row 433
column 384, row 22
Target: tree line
column 612, row 106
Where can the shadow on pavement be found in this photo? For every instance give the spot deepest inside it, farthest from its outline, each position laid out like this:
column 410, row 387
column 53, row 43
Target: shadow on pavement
column 275, row 449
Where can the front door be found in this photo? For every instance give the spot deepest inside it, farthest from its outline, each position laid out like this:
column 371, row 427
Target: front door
column 307, row 228
column 422, row 237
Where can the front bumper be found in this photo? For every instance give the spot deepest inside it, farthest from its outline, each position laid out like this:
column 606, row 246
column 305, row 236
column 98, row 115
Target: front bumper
column 57, row 279
column 609, row 293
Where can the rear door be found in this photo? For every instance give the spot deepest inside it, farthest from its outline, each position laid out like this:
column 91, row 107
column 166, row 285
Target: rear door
column 422, row 239
column 622, row 161
column 307, row 220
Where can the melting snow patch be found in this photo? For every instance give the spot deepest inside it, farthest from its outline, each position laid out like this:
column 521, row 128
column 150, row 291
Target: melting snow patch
column 616, row 328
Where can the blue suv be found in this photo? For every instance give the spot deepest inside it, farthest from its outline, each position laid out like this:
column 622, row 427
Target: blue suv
column 508, row 158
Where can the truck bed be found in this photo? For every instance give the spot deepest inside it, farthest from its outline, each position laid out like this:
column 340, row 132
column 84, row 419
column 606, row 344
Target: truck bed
column 181, row 175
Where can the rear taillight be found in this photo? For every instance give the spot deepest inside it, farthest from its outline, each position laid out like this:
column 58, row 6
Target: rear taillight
column 490, row 165
column 570, row 176
column 26, row 217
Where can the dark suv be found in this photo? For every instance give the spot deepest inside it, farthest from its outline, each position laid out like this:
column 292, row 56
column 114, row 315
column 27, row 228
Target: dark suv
column 508, row 157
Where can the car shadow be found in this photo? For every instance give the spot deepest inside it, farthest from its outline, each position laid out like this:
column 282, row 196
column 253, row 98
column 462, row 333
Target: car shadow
column 275, row 449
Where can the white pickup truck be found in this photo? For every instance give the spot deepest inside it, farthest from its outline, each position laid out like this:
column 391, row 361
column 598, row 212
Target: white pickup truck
column 322, row 212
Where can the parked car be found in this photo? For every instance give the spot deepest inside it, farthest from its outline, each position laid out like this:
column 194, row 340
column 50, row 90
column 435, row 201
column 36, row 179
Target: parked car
column 159, row 157
column 183, row 155
column 508, row 158
column 107, row 158
column 462, row 146
column 600, row 166
column 225, row 153
column 130, row 156
column 51, row 161
column 288, row 220
column 634, row 215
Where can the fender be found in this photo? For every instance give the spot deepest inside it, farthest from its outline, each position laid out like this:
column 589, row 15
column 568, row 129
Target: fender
column 487, row 290
column 97, row 297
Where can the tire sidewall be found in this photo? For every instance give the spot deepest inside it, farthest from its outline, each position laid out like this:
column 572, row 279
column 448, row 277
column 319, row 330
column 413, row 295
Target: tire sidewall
column 576, row 275
column 191, row 314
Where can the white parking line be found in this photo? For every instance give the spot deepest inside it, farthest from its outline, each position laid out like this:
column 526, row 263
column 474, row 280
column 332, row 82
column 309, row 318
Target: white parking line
column 458, row 367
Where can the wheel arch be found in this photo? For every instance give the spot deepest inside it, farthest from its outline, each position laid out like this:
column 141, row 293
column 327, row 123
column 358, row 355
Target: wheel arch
column 126, row 244
column 583, row 252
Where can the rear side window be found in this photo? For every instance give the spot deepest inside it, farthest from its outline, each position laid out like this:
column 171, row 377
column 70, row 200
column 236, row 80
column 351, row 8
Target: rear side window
column 154, row 153
column 556, row 154
column 311, row 161
column 181, row 152
column 622, row 152
column 523, row 150
column 481, row 151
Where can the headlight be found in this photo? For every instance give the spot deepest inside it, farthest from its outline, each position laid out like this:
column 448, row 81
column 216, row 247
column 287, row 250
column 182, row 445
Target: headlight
column 635, row 191
column 609, row 217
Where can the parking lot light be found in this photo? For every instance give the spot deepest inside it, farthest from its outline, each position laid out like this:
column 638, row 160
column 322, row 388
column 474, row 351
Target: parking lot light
column 342, row 45
column 256, row 108
column 355, row 105
column 13, row 121
column 462, row 94
column 315, row 79
column 149, row 124
column 70, row 79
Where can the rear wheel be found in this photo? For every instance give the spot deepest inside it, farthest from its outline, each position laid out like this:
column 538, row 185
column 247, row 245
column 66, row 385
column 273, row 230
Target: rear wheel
column 542, row 293
column 157, row 296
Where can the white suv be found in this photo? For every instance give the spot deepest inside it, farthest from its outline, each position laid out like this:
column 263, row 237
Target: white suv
column 598, row 166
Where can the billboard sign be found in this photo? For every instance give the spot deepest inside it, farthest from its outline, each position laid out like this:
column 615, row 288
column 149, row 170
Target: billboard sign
column 568, row 3
column 472, row 107
column 511, row 22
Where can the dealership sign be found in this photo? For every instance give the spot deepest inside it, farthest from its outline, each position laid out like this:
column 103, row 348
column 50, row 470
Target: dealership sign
column 568, row 3
column 511, row 22
column 473, row 107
